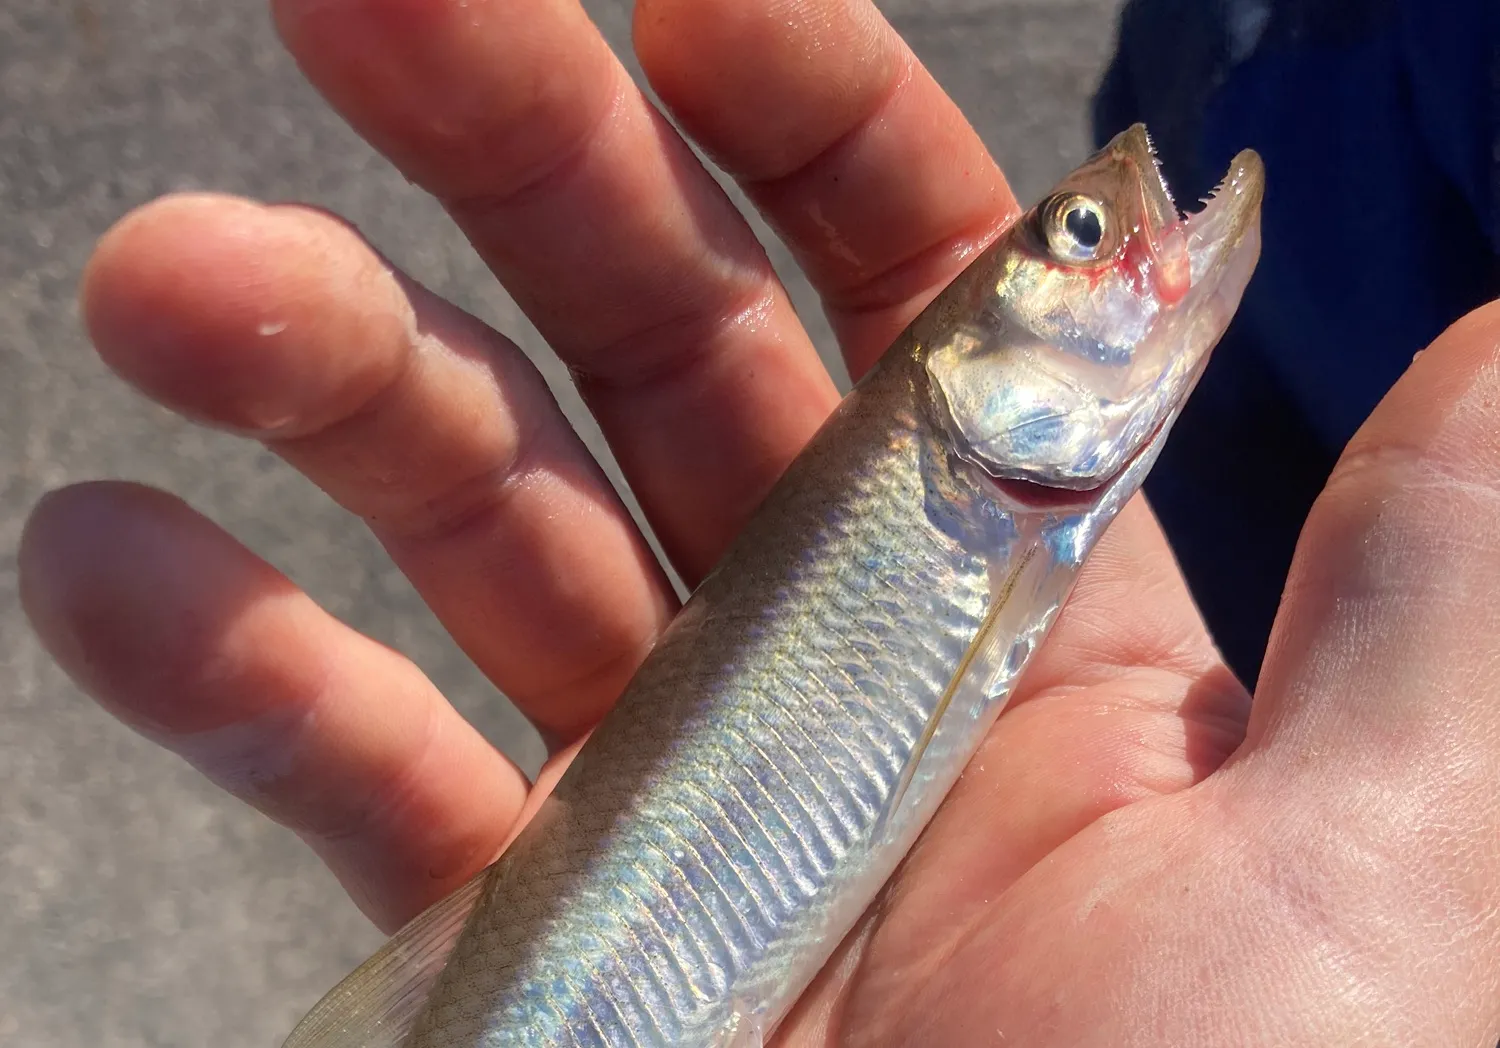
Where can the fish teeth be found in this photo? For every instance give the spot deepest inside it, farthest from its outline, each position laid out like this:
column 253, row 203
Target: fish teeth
column 1161, row 175
column 1203, row 202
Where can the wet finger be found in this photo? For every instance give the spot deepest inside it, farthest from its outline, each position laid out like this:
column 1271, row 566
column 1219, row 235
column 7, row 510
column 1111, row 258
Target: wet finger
column 282, row 323
column 605, row 228
column 867, row 169
column 196, row 643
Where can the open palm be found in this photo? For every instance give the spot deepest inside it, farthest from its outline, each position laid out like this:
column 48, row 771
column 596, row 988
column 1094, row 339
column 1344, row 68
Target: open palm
column 1132, row 858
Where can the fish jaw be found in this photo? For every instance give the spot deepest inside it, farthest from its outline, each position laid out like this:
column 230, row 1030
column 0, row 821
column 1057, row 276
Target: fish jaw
column 1070, row 367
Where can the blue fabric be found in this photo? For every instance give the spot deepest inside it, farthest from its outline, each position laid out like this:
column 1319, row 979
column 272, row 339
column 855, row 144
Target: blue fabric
column 1377, row 120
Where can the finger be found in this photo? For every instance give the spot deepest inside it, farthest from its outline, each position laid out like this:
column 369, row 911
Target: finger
column 282, row 323
column 1372, row 755
column 604, row 227
column 193, row 641
column 857, row 157
column 1384, row 642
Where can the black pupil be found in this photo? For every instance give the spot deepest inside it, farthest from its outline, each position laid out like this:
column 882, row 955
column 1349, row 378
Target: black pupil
column 1084, row 226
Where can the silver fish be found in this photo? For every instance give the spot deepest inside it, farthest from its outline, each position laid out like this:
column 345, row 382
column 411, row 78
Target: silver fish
column 803, row 717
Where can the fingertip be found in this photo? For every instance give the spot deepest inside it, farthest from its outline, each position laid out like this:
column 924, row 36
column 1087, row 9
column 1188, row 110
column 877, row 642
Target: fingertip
column 1444, row 407
column 1481, row 326
column 190, row 639
column 43, row 575
column 1467, row 346
column 154, row 235
column 126, row 585
column 262, row 319
column 59, row 558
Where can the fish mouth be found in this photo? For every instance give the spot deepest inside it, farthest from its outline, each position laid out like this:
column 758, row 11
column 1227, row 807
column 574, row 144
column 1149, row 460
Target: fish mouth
column 1222, row 218
column 1032, row 496
column 1226, row 216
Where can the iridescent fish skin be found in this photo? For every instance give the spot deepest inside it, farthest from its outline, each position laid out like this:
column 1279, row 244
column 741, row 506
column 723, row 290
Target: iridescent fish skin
column 806, row 713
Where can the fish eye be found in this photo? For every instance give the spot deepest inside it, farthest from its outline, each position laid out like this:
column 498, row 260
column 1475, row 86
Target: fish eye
column 1075, row 228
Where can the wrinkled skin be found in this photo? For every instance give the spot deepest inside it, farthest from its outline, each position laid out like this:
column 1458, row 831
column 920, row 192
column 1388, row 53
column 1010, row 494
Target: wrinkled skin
column 1135, row 858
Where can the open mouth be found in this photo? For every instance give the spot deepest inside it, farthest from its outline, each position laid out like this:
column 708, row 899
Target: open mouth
column 1031, row 496
column 1225, row 213
column 1237, row 195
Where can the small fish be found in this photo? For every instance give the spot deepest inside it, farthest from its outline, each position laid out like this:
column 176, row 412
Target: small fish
column 803, row 717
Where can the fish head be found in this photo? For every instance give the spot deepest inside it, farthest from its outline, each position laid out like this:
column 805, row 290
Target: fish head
column 1078, row 335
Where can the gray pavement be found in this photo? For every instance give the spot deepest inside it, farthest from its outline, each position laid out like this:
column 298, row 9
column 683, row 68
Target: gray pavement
column 137, row 905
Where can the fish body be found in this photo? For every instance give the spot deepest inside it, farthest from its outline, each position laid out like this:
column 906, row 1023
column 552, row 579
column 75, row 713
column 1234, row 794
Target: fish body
column 801, row 720
column 703, row 856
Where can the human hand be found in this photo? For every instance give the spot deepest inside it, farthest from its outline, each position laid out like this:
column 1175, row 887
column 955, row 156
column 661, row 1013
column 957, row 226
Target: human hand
column 1101, row 875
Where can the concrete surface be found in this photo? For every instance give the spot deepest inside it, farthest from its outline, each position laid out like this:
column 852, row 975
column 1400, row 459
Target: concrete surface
column 138, row 906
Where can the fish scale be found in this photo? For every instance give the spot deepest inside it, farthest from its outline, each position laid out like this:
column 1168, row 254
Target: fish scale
column 851, row 635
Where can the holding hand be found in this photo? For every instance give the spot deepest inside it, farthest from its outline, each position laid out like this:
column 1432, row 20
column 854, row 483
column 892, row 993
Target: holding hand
column 1132, row 859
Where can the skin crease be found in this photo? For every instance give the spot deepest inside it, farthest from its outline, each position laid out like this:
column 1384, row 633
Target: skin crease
column 1133, row 858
